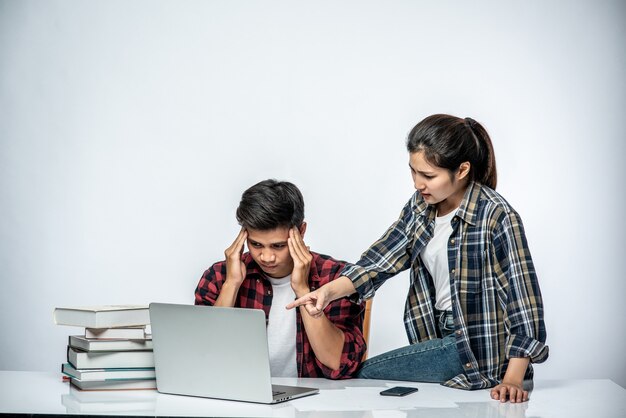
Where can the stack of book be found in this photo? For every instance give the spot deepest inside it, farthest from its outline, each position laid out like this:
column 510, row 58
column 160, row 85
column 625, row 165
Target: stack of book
column 115, row 351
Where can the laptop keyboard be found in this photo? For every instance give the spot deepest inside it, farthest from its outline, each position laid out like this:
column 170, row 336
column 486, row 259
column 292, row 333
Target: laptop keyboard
column 277, row 392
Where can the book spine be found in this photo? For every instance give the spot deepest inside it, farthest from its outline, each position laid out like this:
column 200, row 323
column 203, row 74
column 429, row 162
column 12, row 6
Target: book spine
column 111, row 360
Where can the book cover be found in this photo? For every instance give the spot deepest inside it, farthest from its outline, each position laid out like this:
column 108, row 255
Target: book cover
column 109, row 359
column 108, row 374
column 91, row 344
column 106, row 316
column 138, row 332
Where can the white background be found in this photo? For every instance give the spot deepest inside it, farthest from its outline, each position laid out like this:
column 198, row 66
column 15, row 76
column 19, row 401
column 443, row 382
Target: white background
column 129, row 129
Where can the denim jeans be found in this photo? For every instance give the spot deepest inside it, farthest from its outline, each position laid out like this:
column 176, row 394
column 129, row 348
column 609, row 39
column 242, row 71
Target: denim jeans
column 433, row 361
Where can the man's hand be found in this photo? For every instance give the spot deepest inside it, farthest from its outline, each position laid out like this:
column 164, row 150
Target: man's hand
column 509, row 391
column 235, row 271
column 235, row 268
column 301, row 262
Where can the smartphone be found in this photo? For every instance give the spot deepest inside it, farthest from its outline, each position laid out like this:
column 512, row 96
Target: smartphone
column 398, row 391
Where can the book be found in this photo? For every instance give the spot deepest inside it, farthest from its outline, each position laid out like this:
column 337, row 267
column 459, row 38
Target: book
column 108, row 374
column 114, row 384
column 105, row 316
column 109, row 359
column 91, row 344
column 138, row 332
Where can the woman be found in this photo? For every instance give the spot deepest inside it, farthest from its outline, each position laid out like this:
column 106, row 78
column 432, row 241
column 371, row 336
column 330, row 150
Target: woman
column 474, row 314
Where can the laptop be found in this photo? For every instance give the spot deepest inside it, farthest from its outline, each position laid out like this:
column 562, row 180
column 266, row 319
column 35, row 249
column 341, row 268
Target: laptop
column 215, row 352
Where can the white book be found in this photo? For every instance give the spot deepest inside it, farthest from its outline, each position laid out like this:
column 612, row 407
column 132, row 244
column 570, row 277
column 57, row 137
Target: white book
column 91, row 344
column 125, row 332
column 114, row 384
column 106, row 316
column 108, row 374
column 109, row 359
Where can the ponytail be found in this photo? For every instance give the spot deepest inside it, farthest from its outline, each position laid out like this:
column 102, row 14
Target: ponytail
column 485, row 167
column 447, row 141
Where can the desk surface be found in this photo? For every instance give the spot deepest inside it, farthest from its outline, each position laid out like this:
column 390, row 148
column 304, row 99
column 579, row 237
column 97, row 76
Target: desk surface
column 45, row 393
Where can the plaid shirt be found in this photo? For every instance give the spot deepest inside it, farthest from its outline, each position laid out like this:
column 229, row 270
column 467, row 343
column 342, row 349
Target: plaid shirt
column 496, row 301
column 256, row 293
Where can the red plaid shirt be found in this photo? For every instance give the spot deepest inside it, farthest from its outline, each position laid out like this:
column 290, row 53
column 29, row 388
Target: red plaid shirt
column 255, row 293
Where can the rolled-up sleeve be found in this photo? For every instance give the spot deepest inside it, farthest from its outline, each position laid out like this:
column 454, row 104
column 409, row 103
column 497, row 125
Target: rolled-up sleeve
column 208, row 288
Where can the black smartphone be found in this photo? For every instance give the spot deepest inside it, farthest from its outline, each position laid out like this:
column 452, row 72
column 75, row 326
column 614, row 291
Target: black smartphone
column 398, row 391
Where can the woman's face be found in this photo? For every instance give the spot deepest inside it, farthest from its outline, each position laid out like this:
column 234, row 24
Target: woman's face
column 437, row 185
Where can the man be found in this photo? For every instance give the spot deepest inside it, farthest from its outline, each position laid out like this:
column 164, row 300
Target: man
column 278, row 269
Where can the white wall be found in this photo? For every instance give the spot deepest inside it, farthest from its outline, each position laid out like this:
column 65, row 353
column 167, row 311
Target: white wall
column 129, row 129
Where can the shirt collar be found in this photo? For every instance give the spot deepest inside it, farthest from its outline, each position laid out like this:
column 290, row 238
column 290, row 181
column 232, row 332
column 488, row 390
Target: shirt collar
column 468, row 209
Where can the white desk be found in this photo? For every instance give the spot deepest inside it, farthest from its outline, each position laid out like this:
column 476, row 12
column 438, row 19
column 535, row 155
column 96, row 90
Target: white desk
column 45, row 393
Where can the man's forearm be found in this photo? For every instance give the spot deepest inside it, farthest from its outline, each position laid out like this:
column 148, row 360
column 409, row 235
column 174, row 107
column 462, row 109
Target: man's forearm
column 228, row 295
column 326, row 339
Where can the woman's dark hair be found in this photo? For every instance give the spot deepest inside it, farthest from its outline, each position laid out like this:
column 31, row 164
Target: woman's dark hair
column 271, row 204
column 447, row 141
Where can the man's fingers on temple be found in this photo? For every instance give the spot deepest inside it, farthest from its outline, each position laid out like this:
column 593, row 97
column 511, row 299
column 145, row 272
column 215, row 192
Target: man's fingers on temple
column 298, row 247
column 294, row 250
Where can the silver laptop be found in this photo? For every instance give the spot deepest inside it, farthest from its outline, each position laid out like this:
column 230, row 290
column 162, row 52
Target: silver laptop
column 215, row 353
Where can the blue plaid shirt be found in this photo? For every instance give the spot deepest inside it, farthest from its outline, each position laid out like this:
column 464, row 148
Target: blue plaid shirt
column 496, row 301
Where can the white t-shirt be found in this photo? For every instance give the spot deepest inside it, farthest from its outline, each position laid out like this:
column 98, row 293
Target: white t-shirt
column 281, row 330
column 435, row 258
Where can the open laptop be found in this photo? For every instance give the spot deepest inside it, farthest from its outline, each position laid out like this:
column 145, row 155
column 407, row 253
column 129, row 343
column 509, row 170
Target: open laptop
column 215, row 353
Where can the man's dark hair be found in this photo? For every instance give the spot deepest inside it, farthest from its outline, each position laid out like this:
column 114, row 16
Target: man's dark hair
column 271, row 204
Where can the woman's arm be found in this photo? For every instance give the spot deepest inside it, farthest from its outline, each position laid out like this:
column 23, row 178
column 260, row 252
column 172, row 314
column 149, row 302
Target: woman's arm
column 384, row 259
column 523, row 303
column 523, row 307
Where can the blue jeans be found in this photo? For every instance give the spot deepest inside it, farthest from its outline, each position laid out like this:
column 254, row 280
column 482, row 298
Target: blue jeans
column 434, row 361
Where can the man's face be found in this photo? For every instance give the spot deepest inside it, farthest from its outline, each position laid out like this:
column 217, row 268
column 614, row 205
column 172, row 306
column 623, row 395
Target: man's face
column 270, row 251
